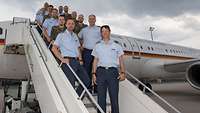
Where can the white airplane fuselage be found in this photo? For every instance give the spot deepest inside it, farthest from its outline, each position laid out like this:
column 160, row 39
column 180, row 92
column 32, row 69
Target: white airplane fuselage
column 149, row 60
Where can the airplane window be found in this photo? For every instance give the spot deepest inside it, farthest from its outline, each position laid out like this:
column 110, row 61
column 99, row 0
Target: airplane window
column 124, row 45
column 116, row 41
column 166, row 50
column 148, row 48
column 141, row 47
column 152, row 48
column 1, row 31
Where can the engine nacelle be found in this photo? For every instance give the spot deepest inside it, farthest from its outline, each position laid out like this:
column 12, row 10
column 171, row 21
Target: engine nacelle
column 193, row 75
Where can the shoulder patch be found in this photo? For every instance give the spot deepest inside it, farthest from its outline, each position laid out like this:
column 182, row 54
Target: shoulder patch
column 98, row 42
column 84, row 28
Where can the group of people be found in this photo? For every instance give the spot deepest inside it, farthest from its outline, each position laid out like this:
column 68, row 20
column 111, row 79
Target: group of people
column 88, row 49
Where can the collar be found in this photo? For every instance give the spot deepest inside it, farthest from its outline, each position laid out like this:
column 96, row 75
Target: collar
column 92, row 26
column 70, row 33
column 53, row 18
column 61, row 26
column 109, row 42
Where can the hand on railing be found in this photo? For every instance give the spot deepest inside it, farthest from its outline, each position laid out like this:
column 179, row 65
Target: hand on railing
column 51, row 43
column 121, row 77
column 49, row 39
column 94, row 79
column 81, row 62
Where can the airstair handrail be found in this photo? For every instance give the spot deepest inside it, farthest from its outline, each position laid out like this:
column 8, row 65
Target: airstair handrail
column 38, row 46
column 85, row 89
column 154, row 93
column 13, row 21
column 42, row 53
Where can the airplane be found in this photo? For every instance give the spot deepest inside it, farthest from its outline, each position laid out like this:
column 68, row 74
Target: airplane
column 152, row 60
column 145, row 59
column 24, row 53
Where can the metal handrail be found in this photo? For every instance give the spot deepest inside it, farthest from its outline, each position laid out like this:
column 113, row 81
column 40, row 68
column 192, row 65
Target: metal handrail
column 44, row 59
column 39, row 26
column 85, row 89
column 33, row 34
column 13, row 21
column 154, row 93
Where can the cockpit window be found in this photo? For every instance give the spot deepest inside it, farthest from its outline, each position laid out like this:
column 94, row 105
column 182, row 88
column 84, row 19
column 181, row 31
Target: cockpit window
column 1, row 31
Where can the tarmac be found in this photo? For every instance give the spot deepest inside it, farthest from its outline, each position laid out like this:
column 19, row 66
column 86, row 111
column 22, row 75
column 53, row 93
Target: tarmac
column 180, row 95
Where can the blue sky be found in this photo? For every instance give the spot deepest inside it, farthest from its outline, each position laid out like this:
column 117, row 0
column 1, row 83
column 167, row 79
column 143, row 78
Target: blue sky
column 176, row 21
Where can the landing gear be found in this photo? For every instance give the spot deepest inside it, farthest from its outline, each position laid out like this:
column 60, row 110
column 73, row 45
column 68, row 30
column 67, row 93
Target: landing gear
column 141, row 87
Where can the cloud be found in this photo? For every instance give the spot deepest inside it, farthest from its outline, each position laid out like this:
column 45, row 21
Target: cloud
column 139, row 8
column 176, row 21
column 175, row 30
column 24, row 5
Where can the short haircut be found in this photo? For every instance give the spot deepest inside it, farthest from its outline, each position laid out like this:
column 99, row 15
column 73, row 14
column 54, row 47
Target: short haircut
column 69, row 19
column 62, row 16
column 81, row 15
column 106, row 27
column 50, row 6
column 55, row 9
column 92, row 15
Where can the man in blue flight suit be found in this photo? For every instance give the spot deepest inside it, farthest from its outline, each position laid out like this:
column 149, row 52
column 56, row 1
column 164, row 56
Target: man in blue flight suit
column 40, row 16
column 48, row 24
column 108, row 60
column 68, row 44
column 89, row 36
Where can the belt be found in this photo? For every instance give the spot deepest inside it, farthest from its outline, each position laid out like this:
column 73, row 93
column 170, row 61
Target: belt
column 107, row 67
column 71, row 58
column 87, row 49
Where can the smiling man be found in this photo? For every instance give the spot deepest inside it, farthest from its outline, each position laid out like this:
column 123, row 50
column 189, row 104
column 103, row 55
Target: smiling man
column 108, row 56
